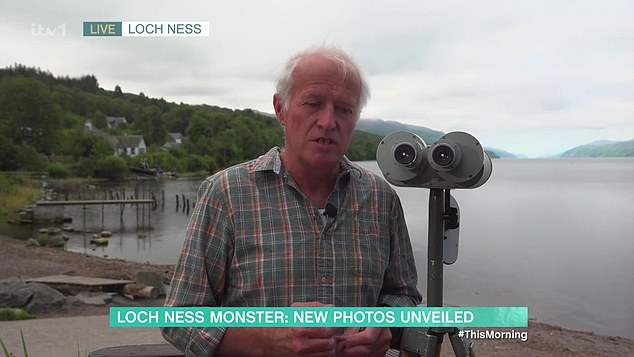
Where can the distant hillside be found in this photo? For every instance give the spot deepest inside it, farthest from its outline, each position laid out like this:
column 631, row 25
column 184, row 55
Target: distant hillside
column 500, row 153
column 384, row 127
column 603, row 149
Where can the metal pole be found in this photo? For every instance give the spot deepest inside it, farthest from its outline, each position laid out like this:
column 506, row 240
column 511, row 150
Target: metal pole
column 435, row 249
column 83, row 235
column 102, row 211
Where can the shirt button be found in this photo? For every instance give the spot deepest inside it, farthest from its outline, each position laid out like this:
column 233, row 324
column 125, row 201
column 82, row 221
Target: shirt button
column 324, row 279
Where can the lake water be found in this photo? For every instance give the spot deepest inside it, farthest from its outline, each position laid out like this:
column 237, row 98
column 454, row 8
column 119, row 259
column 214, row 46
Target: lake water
column 554, row 235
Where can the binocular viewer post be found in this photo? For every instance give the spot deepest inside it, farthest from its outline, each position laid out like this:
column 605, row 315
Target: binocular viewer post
column 422, row 341
column 456, row 160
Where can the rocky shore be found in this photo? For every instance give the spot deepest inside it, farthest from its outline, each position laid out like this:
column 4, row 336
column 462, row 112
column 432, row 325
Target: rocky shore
column 19, row 261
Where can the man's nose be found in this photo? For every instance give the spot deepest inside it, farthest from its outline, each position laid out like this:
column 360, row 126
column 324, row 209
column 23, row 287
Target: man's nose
column 327, row 117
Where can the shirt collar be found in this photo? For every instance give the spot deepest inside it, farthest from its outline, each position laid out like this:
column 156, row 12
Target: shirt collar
column 271, row 161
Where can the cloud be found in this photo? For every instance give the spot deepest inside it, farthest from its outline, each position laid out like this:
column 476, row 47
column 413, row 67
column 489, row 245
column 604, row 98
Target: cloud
column 515, row 74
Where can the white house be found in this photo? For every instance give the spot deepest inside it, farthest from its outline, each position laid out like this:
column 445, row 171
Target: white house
column 174, row 140
column 131, row 145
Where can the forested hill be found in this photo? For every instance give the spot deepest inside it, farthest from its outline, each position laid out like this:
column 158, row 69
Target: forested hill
column 603, row 149
column 384, row 127
column 43, row 120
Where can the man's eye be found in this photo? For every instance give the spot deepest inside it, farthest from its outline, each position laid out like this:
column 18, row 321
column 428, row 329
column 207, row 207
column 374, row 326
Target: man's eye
column 345, row 109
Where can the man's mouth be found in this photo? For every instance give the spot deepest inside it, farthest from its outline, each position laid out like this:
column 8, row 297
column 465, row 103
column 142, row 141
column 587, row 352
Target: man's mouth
column 325, row 141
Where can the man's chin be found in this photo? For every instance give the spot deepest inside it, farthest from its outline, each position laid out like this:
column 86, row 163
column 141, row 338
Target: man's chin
column 325, row 162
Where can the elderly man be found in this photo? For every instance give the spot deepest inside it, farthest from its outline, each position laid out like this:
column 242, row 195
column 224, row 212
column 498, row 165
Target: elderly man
column 298, row 226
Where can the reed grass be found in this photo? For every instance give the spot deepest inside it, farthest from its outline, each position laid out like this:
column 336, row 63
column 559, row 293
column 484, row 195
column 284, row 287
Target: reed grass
column 10, row 314
column 15, row 193
column 6, row 352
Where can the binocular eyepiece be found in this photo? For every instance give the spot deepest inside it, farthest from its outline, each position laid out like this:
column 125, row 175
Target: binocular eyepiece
column 405, row 154
column 456, row 160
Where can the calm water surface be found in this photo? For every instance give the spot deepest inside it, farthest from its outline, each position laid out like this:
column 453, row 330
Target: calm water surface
column 554, row 235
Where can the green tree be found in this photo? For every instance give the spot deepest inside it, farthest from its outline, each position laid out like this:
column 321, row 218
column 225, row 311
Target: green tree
column 56, row 170
column 149, row 123
column 205, row 124
column 177, row 118
column 9, row 155
column 30, row 115
column 88, row 84
column 98, row 119
column 85, row 167
column 363, row 146
column 79, row 143
column 117, row 91
column 100, row 148
column 112, row 168
column 30, row 159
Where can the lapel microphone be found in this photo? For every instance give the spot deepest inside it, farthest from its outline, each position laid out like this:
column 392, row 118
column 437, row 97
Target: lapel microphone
column 330, row 211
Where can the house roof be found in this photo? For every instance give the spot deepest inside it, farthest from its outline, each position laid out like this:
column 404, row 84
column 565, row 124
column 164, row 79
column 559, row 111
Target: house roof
column 116, row 120
column 111, row 139
column 130, row 141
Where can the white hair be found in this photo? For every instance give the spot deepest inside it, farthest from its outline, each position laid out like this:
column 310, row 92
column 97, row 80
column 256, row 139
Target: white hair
column 285, row 80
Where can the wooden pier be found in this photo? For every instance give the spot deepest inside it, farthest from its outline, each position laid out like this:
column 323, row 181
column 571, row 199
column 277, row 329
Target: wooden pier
column 95, row 202
column 103, row 202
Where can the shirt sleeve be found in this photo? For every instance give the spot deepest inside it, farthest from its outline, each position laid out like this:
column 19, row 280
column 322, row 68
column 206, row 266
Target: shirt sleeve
column 199, row 274
column 400, row 279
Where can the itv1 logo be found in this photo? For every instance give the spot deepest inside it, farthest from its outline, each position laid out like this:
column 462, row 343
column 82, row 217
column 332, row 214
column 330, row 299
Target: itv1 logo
column 102, row 28
column 41, row 30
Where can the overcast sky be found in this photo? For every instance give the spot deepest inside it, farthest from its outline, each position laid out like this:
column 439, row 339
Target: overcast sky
column 531, row 77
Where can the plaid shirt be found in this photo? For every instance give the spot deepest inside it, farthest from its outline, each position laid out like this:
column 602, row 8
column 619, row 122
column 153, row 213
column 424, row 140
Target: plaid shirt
column 254, row 239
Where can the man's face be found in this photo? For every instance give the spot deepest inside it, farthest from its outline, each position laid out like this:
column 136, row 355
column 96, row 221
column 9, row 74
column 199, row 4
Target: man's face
column 321, row 115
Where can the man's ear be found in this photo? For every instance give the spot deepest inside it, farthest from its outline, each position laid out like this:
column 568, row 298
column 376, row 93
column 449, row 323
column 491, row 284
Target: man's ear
column 278, row 104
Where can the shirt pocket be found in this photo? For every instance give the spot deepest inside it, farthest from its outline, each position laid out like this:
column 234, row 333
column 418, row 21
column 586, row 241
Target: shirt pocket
column 374, row 250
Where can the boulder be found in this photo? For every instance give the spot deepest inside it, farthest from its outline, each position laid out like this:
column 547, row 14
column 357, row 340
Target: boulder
column 140, row 291
column 9, row 296
column 94, row 298
column 53, row 231
column 33, row 297
column 151, row 278
column 56, row 241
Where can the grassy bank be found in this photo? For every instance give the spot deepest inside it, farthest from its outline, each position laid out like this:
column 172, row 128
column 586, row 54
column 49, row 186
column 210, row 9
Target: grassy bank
column 15, row 192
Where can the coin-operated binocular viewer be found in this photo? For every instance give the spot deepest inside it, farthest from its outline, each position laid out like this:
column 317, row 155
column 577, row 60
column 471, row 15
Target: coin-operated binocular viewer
column 457, row 160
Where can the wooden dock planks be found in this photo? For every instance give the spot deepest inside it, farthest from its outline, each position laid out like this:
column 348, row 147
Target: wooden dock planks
column 82, row 281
